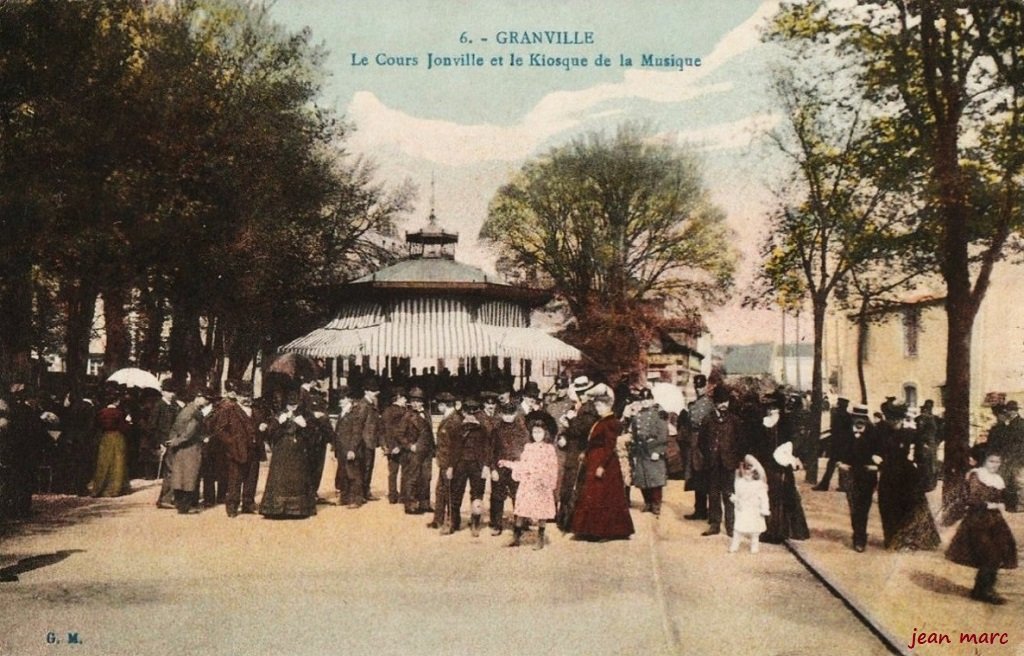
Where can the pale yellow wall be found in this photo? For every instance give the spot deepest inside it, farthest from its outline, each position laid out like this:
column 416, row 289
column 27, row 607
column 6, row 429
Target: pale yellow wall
column 997, row 350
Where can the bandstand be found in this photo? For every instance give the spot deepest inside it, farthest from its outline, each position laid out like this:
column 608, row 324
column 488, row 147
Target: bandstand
column 429, row 312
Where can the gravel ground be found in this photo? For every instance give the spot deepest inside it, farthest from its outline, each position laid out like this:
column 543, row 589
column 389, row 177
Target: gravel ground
column 130, row 579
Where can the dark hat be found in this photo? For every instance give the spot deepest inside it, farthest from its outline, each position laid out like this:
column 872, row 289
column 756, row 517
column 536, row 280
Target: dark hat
column 1011, row 406
column 508, row 408
column 843, row 401
column 293, row 398
column 489, row 396
column 167, row 385
column 720, row 395
column 859, row 419
column 397, row 391
column 351, row 392
column 371, row 384
column 928, row 404
column 231, row 385
column 700, row 380
column 416, row 393
column 445, row 397
column 532, row 390
column 471, row 405
column 203, row 391
column 645, row 394
column 894, row 411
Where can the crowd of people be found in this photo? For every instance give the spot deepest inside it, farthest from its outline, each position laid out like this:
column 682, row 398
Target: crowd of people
column 570, row 457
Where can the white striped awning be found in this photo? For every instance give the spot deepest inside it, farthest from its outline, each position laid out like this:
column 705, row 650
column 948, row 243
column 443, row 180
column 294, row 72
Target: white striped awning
column 440, row 336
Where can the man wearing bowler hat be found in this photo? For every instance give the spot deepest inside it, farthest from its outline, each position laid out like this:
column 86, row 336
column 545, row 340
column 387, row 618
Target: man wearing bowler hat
column 418, row 438
column 391, row 422
column 366, row 423
column 719, row 439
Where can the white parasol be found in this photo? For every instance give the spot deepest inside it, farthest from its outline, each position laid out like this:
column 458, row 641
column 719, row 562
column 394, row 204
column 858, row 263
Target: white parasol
column 133, row 377
column 669, row 397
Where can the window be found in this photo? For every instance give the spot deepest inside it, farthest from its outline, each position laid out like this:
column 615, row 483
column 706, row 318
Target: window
column 910, row 394
column 911, row 331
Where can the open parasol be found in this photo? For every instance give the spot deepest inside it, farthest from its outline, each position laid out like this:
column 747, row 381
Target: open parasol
column 133, row 377
column 669, row 397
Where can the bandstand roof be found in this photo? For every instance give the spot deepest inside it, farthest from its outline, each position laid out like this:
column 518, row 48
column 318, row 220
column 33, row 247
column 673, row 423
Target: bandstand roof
column 434, row 307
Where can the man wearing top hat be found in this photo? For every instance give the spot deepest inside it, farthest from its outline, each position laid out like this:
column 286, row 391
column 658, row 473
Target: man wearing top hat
column 236, row 429
column 391, row 425
column 418, row 438
column 860, row 458
column 838, row 441
column 350, row 451
column 162, row 419
column 366, row 424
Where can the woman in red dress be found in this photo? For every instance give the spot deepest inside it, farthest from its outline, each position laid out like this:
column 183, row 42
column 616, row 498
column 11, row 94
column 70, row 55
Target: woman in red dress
column 601, row 511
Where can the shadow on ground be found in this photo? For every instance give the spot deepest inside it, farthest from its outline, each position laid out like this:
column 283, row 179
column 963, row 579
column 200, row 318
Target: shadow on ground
column 10, row 573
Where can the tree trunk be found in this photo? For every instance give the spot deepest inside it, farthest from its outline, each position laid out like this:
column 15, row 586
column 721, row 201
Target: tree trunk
column 154, row 313
column 80, row 307
column 118, row 349
column 961, row 308
column 819, row 307
column 862, row 349
column 184, row 339
column 16, row 328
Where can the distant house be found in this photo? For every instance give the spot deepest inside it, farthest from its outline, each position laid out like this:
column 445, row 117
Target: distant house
column 678, row 353
column 905, row 349
column 789, row 364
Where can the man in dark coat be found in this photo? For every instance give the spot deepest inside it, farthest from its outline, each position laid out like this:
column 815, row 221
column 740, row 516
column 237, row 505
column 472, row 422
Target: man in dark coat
column 719, row 440
column 696, row 476
column 234, row 426
column 928, row 440
column 391, row 419
column 162, row 420
column 840, row 434
column 350, row 451
column 510, row 437
column 418, row 435
column 861, row 459
column 451, row 421
column 1007, row 438
column 468, row 463
column 78, row 424
column 366, row 422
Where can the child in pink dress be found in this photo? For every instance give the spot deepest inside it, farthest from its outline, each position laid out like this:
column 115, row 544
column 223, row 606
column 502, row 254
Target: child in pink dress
column 537, row 474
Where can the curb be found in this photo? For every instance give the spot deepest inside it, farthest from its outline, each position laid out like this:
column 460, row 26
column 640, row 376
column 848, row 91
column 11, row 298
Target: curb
column 891, row 642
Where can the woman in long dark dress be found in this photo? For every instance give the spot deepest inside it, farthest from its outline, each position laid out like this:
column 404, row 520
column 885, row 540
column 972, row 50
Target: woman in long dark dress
column 601, row 511
column 983, row 540
column 907, row 521
column 775, row 450
column 289, row 491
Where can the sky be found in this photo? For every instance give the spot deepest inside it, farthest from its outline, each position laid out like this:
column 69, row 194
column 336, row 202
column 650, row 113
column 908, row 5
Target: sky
column 470, row 127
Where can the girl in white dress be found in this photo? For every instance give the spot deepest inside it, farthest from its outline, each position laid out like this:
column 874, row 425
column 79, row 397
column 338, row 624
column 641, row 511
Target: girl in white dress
column 751, row 501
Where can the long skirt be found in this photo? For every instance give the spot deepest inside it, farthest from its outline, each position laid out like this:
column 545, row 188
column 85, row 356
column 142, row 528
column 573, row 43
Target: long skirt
column 111, row 477
column 601, row 511
column 787, row 520
column 289, row 491
column 983, row 541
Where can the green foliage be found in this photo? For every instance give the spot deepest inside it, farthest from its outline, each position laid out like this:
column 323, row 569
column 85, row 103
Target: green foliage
column 178, row 148
column 613, row 223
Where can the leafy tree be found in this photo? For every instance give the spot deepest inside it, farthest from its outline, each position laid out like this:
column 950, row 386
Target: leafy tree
column 619, row 226
column 834, row 215
column 945, row 81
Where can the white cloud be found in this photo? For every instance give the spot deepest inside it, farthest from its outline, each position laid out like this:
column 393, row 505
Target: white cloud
column 735, row 134
column 453, row 144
